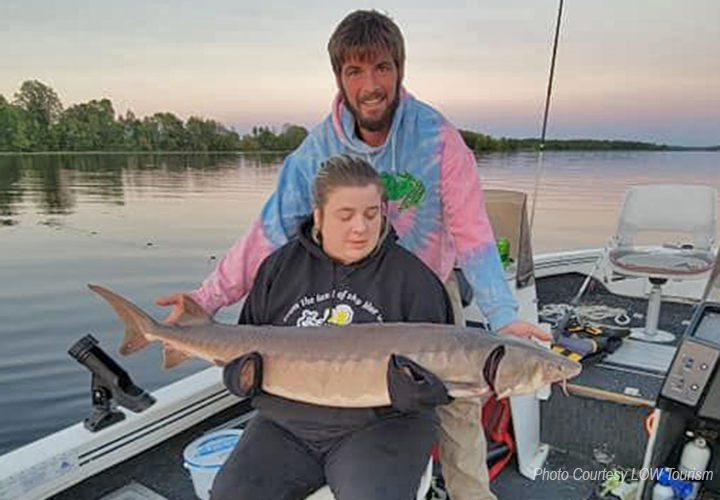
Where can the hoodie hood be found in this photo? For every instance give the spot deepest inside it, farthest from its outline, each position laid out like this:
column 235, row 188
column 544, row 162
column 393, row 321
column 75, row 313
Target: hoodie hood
column 344, row 125
column 310, row 239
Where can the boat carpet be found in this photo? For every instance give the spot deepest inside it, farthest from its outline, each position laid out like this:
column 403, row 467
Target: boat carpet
column 562, row 288
column 550, row 485
column 610, row 400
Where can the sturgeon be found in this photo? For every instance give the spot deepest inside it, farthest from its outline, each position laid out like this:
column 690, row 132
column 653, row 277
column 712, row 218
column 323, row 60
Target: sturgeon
column 346, row 366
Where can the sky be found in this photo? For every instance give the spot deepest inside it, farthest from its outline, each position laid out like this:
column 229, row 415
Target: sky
column 640, row 70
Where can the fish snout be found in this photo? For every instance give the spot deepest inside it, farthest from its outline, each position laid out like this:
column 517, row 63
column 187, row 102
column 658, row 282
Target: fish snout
column 524, row 371
column 564, row 369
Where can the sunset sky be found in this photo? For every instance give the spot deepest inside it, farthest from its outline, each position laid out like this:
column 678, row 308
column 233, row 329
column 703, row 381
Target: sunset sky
column 640, row 69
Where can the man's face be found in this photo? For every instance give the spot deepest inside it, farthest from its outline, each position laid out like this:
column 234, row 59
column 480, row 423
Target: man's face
column 350, row 222
column 370, row 90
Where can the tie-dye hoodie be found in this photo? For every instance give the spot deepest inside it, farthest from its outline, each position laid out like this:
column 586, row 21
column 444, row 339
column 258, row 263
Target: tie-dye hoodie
column 436, row 205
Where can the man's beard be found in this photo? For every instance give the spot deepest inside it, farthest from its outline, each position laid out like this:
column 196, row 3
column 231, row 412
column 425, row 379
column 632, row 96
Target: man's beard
column 377, row 125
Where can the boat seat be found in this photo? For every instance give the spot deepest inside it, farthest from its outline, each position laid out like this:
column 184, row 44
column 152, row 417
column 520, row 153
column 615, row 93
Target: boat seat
column 673, row 263
column 649, row 215
column 325, row 493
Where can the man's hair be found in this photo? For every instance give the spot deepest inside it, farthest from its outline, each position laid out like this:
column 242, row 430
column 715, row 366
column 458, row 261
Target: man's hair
column 364, row 34
column 344, row 171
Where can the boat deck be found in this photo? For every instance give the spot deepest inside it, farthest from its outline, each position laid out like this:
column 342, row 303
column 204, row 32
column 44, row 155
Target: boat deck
column 602, row 427
column 159, row 469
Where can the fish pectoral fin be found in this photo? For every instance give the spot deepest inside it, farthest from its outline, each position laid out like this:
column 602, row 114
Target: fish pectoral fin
column 173, row 357
column 465, row 390
column 193, row 313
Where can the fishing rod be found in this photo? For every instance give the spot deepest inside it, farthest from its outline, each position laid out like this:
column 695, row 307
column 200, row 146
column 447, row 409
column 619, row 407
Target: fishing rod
column 541, row 147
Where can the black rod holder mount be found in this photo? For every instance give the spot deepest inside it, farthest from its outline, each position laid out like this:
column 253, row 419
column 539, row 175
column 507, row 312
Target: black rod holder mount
column 111, row 386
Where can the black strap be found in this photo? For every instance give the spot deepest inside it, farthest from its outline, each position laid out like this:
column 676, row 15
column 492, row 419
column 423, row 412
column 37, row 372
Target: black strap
column 243, row 376
column 412, row 387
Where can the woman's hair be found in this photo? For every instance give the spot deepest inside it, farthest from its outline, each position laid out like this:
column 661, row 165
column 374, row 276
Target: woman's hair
column 364, row 34
column 344, row 171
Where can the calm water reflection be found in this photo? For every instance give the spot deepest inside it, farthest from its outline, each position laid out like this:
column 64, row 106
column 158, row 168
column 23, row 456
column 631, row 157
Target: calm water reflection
column 150, row 224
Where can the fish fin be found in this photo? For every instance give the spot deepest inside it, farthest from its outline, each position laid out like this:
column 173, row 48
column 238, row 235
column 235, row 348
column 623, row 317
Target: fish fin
column 465, row 390
column 137, row 322
column 173, row 357
column 193, row 313
column 133, row 341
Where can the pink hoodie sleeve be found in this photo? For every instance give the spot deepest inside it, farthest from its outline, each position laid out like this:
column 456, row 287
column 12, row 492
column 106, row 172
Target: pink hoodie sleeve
column 462, row 195
column 281, row 215
column 234, row 275
column 469, row 225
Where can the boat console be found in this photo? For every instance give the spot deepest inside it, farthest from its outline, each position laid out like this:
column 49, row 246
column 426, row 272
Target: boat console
column 692, row 384
column 690, row 394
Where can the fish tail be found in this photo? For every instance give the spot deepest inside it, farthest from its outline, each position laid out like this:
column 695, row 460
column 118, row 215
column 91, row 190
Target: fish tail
column 137, row 322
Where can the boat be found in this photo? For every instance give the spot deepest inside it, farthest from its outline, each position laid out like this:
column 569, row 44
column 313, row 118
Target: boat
column 565, row 443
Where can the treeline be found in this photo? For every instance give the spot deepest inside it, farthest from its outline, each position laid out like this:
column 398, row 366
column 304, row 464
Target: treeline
column 36, row 121
column 485, row 143
column 481, row 142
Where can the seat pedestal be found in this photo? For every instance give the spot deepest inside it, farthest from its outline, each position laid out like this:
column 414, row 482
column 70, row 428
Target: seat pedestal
column 650, row 332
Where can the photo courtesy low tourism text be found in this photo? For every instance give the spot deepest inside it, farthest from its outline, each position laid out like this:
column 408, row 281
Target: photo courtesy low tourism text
column 625, row 476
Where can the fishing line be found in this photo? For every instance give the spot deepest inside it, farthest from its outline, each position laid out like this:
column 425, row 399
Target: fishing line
column 541, row 147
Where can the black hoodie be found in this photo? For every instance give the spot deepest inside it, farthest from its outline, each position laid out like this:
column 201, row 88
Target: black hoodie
column 300, row 285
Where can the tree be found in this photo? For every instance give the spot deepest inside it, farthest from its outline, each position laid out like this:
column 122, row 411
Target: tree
column 249, row 143
column 43, row 107
column 292, row 136
column 89, row 127
column 479, row 142
column 13, row 127
column 266, row 138
column 164, row 132
column 131, row 131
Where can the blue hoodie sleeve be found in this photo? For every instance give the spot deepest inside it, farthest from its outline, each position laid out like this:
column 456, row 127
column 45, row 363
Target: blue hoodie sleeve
column 292, row 199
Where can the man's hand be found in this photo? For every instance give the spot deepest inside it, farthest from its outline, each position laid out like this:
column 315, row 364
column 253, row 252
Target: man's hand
column 525, row 330
column 183, row 305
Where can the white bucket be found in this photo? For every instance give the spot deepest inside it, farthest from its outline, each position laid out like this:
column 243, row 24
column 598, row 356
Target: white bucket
column 204, row 457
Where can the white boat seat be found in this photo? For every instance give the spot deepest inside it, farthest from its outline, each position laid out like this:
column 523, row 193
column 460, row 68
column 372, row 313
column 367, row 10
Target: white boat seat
column 325, row 493
column 655, row 212
column 663, row 262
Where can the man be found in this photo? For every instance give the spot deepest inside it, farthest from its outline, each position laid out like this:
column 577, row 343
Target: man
column 436, row 207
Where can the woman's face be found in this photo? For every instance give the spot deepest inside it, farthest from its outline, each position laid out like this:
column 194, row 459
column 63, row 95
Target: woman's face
column 350, row 222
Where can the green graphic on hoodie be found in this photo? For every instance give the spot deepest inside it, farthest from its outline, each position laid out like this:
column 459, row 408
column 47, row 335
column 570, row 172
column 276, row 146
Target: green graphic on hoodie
column 405, row 187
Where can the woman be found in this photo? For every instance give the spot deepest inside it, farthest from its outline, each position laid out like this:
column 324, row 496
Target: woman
column 343, row 267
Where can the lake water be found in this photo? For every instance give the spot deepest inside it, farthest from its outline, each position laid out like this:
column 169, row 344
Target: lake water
column 146, row 225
